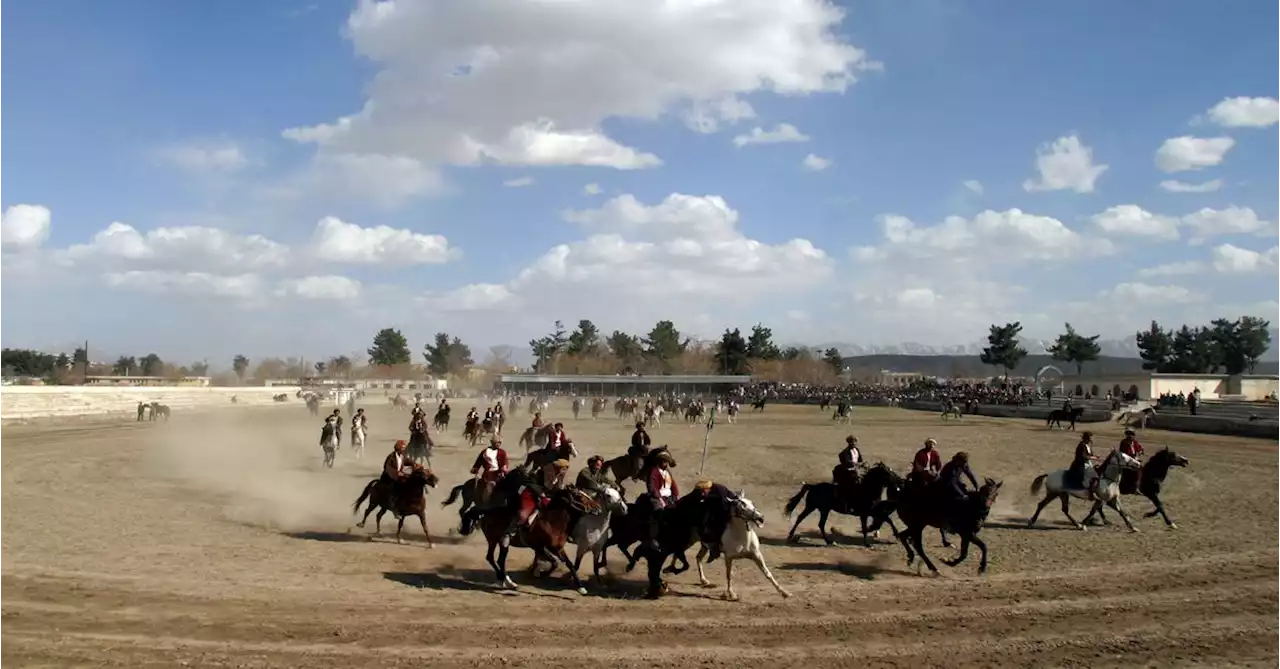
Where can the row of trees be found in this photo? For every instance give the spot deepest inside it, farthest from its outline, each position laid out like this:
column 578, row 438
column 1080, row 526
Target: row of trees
column 64, row 368
column 1231, row 347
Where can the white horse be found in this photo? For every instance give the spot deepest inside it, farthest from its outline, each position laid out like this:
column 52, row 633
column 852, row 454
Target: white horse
column 358, row 433
column 329, row 441
column 740, row 542
column 592, row 532
column 1107, row 491
column 654, row 419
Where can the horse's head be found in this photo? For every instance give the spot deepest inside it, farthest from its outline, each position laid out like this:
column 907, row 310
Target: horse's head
column 746, row 510
column 423, row 476
column 1168, row 458
column 987, row 495
column 612, row 500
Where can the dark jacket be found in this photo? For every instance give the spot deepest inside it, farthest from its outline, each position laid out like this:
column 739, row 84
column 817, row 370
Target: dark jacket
column 950, row 478
column 591, row 481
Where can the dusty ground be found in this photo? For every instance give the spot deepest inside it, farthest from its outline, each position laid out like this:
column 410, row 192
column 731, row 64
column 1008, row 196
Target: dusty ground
column 191, row 544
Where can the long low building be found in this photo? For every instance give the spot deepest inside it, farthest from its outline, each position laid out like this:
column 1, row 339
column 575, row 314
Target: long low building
column 616, row 385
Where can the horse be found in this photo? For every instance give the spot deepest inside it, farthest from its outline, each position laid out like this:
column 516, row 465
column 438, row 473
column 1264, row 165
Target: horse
column 441, row 420
column 313, row 405
column 410, row 500
column 486, row 427
column 546, row 536
column 358, row 434
column 536, row 436
column 653, row 416
column 281, row 397
column 399, row 402
column 1137, row 419
column 545, row 456
column 1107, row 491
column 758, row 405
column 1147, row 482
column 693, row 413
column 920, row 506
column 626, row 467
column 951, row 409
column 160, row 410
column 419, row 449
column 1058, row 415
column 329, row 442
column 843, row 415
column 739, row 541
column 577, row 407
column 591, row 533
column 597, row 406
column 677, row 532
column 825, row 498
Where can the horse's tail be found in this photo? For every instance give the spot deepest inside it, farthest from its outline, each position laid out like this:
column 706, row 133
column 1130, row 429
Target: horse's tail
column 453, row 494
column 795, row 499
column 368, row 490
column 1038, row 483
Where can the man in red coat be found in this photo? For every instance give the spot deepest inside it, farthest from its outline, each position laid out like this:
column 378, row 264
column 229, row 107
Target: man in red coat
column 1129, row 477
column 663, row 493
column 489, row 468
column 927, row 462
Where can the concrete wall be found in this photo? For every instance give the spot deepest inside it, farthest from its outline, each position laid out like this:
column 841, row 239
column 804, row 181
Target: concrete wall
column 1040, row 412
column 1257, row 387
column 1261, row 429
column 23, row 402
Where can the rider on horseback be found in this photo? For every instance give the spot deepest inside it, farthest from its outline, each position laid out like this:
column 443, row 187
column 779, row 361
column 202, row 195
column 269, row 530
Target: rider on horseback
column 845, row 473
column 536, row 492
column 663, row 493
column 592, row 478
column 640, row 442
column 1130, row 446
column 951, row 483
column 717, row 499
column 537, row 420
column 1083, row 459
column 393, row 470
column 927, row 463
column 489, row 468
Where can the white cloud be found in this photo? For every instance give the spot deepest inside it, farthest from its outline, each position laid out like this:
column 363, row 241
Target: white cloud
column 519, row 182
column 25, row 227
column 1175, row 186
column 1183, row 154
column 1184, row 268
column 387, row 181
column 1132, row 220
column 784, row 132
column 531, row 83
column 815, row 163
column 1144, row 294
column 327, row 287
column 592, row 189
column 473, row 297
column 1230, row 221
column 974, row 185
column 336, row 240
column 1246, row 112
column 186, row 248
column 190, row 284
column 1230, row 259
column 204, row 157
column 1005, row 237
column 1066, row 164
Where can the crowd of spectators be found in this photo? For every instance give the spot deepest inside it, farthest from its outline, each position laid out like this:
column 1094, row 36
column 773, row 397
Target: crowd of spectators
column 928, row 390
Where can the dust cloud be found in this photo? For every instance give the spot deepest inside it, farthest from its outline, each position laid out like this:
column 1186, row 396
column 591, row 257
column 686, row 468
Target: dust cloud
column 267, row 474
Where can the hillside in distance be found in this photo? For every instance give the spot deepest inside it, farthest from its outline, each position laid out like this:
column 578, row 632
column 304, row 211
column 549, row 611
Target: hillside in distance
column 970, row 366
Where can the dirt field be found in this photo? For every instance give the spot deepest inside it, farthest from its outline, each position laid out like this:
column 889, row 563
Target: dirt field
column 193, row 544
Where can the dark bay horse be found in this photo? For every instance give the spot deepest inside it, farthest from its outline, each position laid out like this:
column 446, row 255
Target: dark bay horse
column 1058, row 415
column 877, row 482
column 546, row 536
column 677, row 532
column 536, row 436
column 924, row 505
column 471, row 430
column 544, row 456
column 629, row 467
column 1147, row 482
column 469, row 491
column 410, row 500
column 441, row 420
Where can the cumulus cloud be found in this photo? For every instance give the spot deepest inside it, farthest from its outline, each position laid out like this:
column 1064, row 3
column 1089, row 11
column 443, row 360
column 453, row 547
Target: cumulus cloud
column 531, row 84
column 815, row 163
column 974, row 186
column 1012, row 236
column 1233, row 220
column 190, row 284
column 1175, row 186
column 1151, row 295
column 188, row 248
column 1065, row 164
column 336, row 240
column 784, row 132
column 327, row 287
column 25, row 227
column 387, row 181
column 1246, row 112
column 1183, row 268
column 1230, row 259
column 204, row 157
column 519, row 182
column 1184, row 154
column 1132, row 220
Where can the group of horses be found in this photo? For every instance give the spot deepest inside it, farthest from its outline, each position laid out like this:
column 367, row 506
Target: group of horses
column 153, row 411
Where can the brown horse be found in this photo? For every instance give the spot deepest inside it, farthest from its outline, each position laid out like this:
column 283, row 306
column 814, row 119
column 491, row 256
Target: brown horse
column 543, row 456
column 629, row 467
column 546, row 536
column 923, row 505
column 471, row 430
column 410, row 500
column 536, row 436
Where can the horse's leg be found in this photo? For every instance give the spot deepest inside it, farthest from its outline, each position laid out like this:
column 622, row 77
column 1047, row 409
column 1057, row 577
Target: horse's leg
column 729, row 594
column 823, row 514
column 866, row 537
column 422, row 516
column 791, row 536
column 399, row 529
column 504, row 578
column 757, row 558
column 906, row 543
column 1066, row 510
column 1043, row 503
column 982, row 546
column 964, row 552
column 377, row 521
column 946, row 543
column 488, row 556
column 917, row 540
column 702, row 577
column 1155, row 499
column 1114, row 503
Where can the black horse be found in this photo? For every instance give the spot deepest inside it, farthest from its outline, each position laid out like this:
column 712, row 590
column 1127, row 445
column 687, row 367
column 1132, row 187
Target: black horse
column 1058, row 415
column 1147, row 482
column 924, row 505
column 877, row 482
column 677, row 532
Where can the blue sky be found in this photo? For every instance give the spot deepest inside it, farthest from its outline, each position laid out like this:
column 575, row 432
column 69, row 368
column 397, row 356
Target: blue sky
column 170, row 118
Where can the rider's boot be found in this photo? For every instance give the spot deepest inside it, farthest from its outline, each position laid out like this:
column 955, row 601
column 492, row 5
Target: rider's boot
column 652, row 542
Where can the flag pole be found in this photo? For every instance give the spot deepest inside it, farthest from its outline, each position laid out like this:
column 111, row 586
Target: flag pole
column 706, row 439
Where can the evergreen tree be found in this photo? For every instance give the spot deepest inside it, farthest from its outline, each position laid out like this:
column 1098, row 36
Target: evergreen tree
column 1072, row 347
column 389, row 348
column 240, row 365
column 731, row 353
column 1003, row 349
column 585, row 340
column 760, row 344
column 663, row 345
column 1155, row 347
column 833, row 358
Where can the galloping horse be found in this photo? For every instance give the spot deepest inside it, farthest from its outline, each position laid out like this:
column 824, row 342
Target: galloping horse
column 758, row 405
column 950, row 408
column 545, row 456
column 825, row 498
column 536, row 436
column 922, row 506
column 358, row 433
column 546, row 536
column 441, row 420
column 626, row 467
column 591, row 533
column 471, row 431
column 1147, row 482
column 1058, row 415
column 410, row 499
column 1107, row 491
column 329, row 442
column 739, row 541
